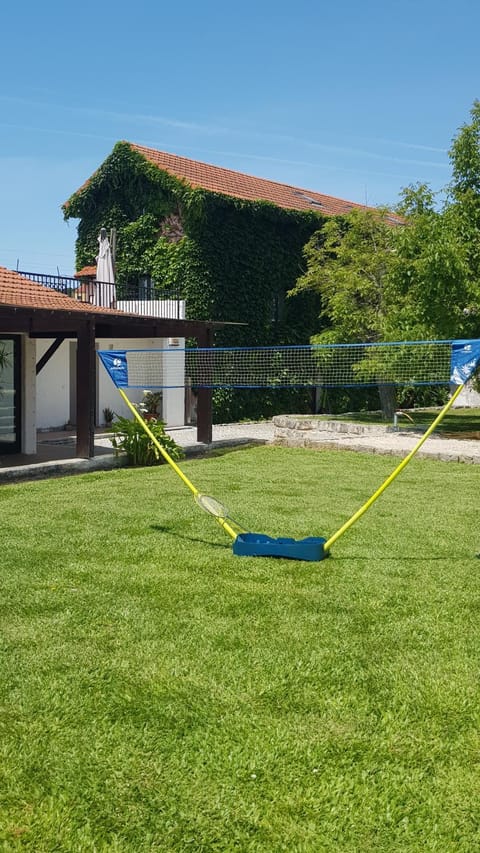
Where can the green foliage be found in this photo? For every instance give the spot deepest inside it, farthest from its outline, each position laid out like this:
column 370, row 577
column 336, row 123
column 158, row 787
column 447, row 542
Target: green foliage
column 378, row 282
column 465, row 159
column 348, row 262
column 232, row 405
column 150, row 404
column 413, row 396
column 359, row 400
column 136, row 239
column 464, row 200
column 430, row 279
column 437, row 277
column 129, row 437
column 108, row 415
column 341, row 400
column 168, row 264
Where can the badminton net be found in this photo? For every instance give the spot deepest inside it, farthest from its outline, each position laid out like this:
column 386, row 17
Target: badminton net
column 324, row 366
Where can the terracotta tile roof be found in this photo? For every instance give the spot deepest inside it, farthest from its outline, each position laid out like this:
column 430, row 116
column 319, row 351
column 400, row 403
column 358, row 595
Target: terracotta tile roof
column 20, row 292
column 86, row 272
column 239, row 185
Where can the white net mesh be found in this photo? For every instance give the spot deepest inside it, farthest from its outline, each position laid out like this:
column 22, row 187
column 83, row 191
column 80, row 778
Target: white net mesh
column 327, row 366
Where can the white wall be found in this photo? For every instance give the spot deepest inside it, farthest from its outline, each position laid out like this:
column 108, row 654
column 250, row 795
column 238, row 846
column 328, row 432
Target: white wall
column 56, row 391
column 153, row 307
column 173, row 368
column 173, row 404
column 468, row 398
column 53, row 386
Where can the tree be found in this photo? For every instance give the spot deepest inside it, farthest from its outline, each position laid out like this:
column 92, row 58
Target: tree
column 350, row 262
column 464, row 203
column 430, row 285
column 386, row 279
column 465, row 158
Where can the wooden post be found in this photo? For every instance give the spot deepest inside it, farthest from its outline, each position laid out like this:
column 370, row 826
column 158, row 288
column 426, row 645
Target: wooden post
column 204, row 399
column 86, row 390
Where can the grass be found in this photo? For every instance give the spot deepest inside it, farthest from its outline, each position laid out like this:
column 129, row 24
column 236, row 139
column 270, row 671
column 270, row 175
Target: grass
column 158, row 693
column 459, row 422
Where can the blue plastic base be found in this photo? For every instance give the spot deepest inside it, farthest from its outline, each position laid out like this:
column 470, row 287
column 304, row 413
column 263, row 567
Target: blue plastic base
column 259, row 545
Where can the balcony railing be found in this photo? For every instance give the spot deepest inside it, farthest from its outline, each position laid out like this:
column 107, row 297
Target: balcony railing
column 143, row 298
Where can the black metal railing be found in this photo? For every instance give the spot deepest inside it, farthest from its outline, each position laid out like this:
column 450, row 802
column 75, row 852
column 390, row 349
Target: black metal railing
column 143, row 298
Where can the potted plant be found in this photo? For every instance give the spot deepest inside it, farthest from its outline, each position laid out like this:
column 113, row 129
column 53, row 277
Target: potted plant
column 108, row 416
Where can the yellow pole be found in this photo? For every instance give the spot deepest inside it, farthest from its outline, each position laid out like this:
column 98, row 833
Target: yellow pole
column 221, row 521
column 394, row 474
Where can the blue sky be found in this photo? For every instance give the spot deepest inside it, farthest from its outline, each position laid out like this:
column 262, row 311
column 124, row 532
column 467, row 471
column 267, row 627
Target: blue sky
column 351, row 99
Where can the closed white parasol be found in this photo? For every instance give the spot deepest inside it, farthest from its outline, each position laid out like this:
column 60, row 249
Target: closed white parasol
column 105, row 291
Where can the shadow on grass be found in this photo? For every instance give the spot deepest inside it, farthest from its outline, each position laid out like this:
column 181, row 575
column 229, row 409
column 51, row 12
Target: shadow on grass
column 170, row 532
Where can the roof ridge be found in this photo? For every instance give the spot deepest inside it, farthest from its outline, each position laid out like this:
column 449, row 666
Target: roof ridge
column 234, row 172
column 137, row 146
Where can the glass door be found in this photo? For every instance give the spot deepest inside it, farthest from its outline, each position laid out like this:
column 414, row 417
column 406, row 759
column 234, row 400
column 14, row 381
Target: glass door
column 10, row 394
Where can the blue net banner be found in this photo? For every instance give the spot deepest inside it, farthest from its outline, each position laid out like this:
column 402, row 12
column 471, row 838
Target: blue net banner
column 465, row 360
column 115, row 363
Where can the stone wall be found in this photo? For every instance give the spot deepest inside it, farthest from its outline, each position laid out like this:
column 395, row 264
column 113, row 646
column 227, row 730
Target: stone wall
column 304, row 431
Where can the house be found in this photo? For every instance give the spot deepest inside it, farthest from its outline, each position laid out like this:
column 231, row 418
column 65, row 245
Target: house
column 231, row 243
column 50, row 339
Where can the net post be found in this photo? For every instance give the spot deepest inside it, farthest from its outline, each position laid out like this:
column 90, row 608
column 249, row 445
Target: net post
column 204, row 415
column 204, row 399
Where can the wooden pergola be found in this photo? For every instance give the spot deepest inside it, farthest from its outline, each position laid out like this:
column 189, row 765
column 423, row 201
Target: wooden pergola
column 85, row 326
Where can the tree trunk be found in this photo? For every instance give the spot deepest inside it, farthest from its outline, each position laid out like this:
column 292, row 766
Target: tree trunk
column 388, row 401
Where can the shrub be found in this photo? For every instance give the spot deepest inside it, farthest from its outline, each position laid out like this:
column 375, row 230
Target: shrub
column 130, row 437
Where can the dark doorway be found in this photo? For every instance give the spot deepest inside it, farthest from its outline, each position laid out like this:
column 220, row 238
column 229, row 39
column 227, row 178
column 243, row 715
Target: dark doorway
column 10, row 397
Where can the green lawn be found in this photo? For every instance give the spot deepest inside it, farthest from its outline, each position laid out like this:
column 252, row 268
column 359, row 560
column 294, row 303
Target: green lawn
column 160, row 694
column 456, row 422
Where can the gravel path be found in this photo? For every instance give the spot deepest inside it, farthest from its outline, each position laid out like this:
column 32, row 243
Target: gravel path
column 393, row 444
column 443, row 449
column 262, row 431
column 55, row 458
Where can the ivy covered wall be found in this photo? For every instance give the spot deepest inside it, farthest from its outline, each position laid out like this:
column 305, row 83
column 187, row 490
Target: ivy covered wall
column 232, row 260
